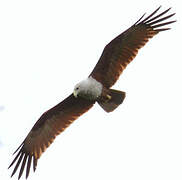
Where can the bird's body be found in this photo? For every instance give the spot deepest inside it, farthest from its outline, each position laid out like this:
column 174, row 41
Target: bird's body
column 96, row 88
column 92, row 90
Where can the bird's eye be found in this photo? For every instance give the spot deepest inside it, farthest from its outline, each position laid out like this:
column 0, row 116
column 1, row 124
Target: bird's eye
column 77, row 88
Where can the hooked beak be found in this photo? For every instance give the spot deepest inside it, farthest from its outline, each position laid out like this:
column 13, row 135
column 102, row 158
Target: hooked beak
column 75, row 94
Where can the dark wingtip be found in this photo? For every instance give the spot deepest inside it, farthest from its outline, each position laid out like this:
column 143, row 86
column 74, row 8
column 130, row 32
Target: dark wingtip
column 18, row 163
column 151, row 19
column 21, row 159
column 14, row 159
column 34, row 164
column 145, row 19
column 22, row 166
column 148, row 17
column 140, row 18
column 157, row 21
column 28, row 166
column 18, row 148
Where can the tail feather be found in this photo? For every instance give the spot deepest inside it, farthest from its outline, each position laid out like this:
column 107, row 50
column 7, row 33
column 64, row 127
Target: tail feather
column 115, row 98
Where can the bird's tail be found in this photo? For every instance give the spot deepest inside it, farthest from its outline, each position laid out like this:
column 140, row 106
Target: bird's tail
column 114, row 99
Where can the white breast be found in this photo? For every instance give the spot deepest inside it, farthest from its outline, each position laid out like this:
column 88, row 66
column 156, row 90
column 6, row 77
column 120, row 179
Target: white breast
column 94, row 86
column 90, row 88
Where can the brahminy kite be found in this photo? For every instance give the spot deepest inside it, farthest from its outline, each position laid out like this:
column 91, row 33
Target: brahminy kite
column 96, row 88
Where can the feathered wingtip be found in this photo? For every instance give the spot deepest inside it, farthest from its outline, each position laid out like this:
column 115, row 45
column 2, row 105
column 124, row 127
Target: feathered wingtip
column 22, row 155
column 154, row 22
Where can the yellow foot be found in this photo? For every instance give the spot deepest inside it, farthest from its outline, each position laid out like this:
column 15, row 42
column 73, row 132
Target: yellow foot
column 109, row 97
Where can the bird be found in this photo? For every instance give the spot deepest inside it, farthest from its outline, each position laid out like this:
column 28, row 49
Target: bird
column 96, row 88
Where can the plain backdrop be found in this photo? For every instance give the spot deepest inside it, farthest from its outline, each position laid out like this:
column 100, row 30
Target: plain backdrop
column 46, row 47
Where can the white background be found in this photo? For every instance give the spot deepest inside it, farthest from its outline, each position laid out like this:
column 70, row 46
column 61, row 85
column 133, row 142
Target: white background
column 46, row 47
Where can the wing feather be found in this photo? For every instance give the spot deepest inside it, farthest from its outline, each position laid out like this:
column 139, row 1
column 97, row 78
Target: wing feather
column 49, row 125
column 123, row 49
column 28, row 166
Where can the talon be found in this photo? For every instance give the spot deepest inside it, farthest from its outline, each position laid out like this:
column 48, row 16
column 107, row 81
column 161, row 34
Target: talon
column 109, row 97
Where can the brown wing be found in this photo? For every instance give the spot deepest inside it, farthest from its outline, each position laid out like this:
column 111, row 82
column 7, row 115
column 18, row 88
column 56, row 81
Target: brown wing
column 122, row 50
column 50, row 124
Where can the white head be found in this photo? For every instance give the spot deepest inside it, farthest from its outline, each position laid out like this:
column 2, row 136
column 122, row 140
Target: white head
column 89, row 89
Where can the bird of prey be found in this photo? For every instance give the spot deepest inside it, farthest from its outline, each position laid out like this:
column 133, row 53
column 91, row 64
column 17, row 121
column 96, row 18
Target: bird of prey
column 96, row 88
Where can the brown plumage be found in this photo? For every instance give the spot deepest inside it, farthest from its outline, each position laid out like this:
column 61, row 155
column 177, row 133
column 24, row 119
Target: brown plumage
column 49, row 125
column 114, row 59
column 123, row 49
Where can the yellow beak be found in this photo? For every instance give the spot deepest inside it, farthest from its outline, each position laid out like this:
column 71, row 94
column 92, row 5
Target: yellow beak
column 75, row 94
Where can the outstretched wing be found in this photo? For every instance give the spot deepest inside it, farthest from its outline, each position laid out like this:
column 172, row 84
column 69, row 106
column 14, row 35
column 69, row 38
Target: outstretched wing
column 123, row 49
column 49, row 125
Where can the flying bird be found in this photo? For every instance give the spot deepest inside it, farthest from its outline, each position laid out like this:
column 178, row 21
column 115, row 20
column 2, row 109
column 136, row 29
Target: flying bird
column 96, row 88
